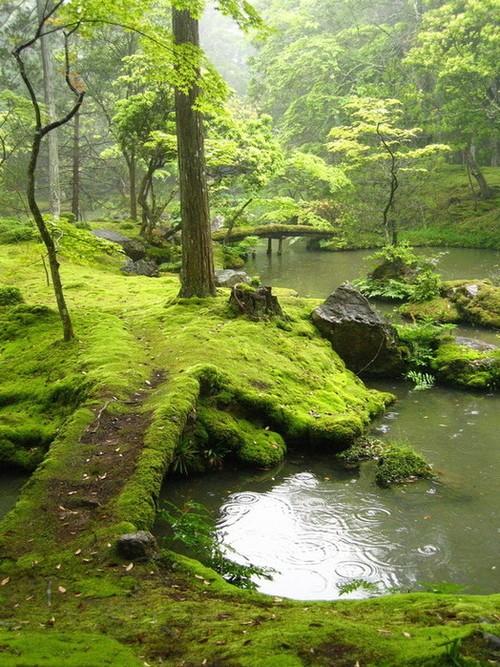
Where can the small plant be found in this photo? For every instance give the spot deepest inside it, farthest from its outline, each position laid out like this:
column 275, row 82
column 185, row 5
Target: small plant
column 390, row 290
column 426, row 287
column 452, row 652
column 192, row 525
column 356, row 585
column 422, row 381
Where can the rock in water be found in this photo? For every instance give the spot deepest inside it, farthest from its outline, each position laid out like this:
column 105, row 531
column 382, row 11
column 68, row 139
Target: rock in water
column 365, row 340
column 137, row 546
column 230, row 278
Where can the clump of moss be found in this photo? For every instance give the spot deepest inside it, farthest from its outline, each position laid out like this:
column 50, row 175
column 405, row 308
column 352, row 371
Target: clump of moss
column 10, row 296
column 400, row 464
column 463, row 366
column 364, row 449
column 472, row 302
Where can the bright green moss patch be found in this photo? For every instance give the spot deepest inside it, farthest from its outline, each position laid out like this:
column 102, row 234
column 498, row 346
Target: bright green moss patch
column 66, row 649
column 462, row 366
column 472, row 302
column 399, row 464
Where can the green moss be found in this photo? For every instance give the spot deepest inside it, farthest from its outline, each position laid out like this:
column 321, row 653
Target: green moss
column 478, row 302
column 364, row 449
column 10, row 296
column 400, row 464
column 70, row 649
column 439, row 309
column 462, row 366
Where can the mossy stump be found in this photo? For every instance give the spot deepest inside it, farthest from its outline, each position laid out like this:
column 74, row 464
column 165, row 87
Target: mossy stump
column 257, row 303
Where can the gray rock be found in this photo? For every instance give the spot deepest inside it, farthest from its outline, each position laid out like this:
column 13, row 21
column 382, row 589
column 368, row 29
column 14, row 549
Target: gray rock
column 364, row 339
column 143, row 267
column 472, row 290
column 110, row 235
column 474, row 344
column 230, row 278
column 137, row 546
column 134, row 249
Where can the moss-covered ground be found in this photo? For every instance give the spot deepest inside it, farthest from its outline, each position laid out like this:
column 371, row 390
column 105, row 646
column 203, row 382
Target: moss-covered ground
column 115, row 404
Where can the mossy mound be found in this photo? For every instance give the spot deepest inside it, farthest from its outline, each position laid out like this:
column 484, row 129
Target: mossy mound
column 462, row 366
column 460, row 301
column 400, row 464
column 364, row 449
column 10, row 296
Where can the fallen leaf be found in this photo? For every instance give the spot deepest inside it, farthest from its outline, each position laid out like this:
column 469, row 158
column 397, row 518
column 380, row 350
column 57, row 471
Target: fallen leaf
column 78, row 552
column 407, row 635
column 58, row 566
column 5, row 581
column 129, row 567
column 61, row 589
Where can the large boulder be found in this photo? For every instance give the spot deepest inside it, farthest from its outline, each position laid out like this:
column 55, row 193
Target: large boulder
column 230, row 278
column 143, row 267
column 134, row 249
column 365, row 340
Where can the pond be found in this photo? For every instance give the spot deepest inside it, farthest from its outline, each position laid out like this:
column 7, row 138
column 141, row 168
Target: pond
column 320, row 527
column 316, row 274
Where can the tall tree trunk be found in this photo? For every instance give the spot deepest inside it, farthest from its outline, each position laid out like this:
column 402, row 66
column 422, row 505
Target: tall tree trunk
column 485, row 191
column 197, row 273
column 75, row 183
column 50, row 103
column 132, row 184
column 495, row 151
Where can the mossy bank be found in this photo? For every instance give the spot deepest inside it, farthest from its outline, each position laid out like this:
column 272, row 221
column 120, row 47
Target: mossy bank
column 159, row 369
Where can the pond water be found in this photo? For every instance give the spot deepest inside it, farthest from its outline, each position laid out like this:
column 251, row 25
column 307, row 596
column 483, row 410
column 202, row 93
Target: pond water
column 319, row 526
column 10, row 486
column 316, row 274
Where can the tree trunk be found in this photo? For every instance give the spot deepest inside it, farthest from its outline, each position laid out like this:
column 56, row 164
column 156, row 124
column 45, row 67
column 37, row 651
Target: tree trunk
column 50, row 103
column 269, row 246
column 495, row 152
column 485, row 191
column 75, row 184
column 47, row 239
column 197, row 273
column 132, row 180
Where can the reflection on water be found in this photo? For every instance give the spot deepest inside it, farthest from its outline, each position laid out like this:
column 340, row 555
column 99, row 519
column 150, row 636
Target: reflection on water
column 319, row 526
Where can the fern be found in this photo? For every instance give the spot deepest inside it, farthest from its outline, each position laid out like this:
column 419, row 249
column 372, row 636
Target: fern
column 422, row 381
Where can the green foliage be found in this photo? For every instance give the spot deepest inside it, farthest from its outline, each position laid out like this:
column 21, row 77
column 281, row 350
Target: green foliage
column 421, row 380
column 399, row 464
column 386, row 290
column 426, row 286
column 192, row 526
column 357, row 584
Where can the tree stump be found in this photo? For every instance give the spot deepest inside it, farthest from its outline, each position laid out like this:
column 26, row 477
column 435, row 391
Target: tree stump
column 257, row 303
